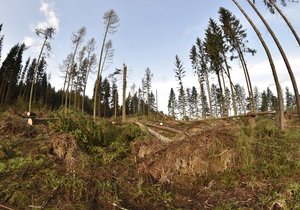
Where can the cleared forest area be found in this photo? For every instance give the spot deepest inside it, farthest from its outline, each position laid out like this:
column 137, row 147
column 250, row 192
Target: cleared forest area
column 75, row 162
column 219, row 145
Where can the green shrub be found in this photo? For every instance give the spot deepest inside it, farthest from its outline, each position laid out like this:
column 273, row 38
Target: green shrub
column 91, row 135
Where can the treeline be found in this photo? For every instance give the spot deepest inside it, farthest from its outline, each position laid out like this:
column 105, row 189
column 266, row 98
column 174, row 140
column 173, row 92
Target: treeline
column 17, row 76
column 224, row 41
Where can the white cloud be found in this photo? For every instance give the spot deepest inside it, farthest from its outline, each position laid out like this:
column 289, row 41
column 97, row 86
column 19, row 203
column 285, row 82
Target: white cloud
column 52, row 19
column 28, row 41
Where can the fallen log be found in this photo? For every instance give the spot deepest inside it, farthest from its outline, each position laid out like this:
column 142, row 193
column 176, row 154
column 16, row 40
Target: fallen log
column 238, row 116
column 5, row 207
column 153, row 133
column 165, row 128
column 38, row 121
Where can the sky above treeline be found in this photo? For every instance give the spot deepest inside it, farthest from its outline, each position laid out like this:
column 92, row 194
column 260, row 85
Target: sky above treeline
column 150, row 34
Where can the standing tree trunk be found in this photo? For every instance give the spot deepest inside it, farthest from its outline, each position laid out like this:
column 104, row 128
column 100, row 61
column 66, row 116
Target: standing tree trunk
column 274, row 72
column 226, row 102
column 209, row 94
column 124, row 94
column 221, row 92
column 116, row 106
column 227, row 72
column 248, row 80
column 70, row 77
column 99, row 73
column 286, row 61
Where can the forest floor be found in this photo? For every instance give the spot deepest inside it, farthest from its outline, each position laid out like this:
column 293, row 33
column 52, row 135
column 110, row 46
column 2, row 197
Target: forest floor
column 148, row 163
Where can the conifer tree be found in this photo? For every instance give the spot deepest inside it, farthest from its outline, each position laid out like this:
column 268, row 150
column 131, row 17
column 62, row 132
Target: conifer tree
column 148, row 80
column 172, row 104
column 179, row 75
column 23, row 75
column 289, row 99
column 10, row 72
column 214, row 47
column 47, row 35
column 200, row 65
column 77, row 39
column 240, row 98
column 111, row 21
column 88, row 66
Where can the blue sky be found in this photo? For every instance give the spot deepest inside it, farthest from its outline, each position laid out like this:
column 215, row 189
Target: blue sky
column 150, row 34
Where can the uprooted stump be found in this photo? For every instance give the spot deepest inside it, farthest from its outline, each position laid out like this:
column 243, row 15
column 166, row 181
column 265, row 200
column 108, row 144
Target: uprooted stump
column 197, row 156
column 65, row 148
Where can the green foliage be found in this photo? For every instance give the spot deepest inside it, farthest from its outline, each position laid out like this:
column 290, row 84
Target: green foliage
column 267, row 128
column 90, row 135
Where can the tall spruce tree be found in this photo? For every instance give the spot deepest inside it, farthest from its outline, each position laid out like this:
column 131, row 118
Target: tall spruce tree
column 89, row 65
column 214, row 47
column 148, row 82
column 77, row 39
column 179, row 75
column 289, row 99
column 10, row 72
column 172, row 103
column 236, row 37
column 200, row 66
column 47, row 35
column 111, row 21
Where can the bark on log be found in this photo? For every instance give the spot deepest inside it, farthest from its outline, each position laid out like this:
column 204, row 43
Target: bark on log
column 153, row 133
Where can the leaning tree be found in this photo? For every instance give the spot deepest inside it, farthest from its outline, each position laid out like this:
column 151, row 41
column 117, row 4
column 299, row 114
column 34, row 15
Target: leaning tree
column 282, row 52
column 274, row 72
column 47, row 34
column 111, row 21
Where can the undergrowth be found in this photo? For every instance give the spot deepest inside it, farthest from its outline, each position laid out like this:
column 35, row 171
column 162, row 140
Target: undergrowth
column 91, row 136
column 265, row 171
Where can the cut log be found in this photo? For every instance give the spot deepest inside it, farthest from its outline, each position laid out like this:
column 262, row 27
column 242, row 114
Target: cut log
column 31, row 114
column 153, row 133
column 38, row 121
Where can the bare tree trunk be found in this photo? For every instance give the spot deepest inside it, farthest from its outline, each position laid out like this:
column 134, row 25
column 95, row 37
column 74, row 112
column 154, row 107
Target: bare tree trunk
column 34, row 75
column 247, row 78
column 99, row 73
column 274, row 72
column 2, row 91
column 273, row 3
column 286, row 61
column 70, row 94
column 7, row 93
column 124, row 93
column 222, row 96
column 226, row 100
column 209, row 94
column 116, row 105
column 64, row 88
column 70, row 71
column 84, row 86
column 227, row 72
